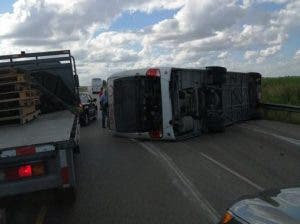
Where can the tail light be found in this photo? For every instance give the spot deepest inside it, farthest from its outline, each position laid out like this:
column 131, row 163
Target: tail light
column 65, row 175
column 227, row 218
column 26, row 171
column 155, row 134
column 153, row 72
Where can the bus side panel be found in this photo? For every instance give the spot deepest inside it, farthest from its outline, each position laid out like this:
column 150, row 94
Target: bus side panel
column 240, row 97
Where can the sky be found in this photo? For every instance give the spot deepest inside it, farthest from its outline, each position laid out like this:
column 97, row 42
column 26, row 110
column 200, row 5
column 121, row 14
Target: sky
column 109, row 36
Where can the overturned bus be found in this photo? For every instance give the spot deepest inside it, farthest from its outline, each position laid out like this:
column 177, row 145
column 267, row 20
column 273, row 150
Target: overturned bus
column 175, row 103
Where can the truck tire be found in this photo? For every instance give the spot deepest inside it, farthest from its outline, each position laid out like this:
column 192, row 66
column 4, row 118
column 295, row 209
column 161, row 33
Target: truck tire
column 85, row 120
column 218, row 74
column 76, row 149
column 68, row 196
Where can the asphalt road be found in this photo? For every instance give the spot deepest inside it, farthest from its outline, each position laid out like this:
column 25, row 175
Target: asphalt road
column 126, row 181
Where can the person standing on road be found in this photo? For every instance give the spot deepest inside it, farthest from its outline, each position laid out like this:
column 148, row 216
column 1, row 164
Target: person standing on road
column 101, row 92
column 104, row 107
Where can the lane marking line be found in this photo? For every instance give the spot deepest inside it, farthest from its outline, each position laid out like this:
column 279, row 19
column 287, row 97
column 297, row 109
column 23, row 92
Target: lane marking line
column 41, row 216
column 188, row 185
column 287, row 139
column 233, row 172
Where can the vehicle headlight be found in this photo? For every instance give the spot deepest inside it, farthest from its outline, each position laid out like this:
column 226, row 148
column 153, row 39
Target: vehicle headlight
column 226, row 218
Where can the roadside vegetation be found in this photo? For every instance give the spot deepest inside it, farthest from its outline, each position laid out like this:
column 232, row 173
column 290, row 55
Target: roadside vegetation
column 281, row 90
column 83, row 89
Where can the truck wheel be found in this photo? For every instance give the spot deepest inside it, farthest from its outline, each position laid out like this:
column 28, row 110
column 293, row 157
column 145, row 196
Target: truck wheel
column 76, row 150
column 85, row 119
column 68, row 196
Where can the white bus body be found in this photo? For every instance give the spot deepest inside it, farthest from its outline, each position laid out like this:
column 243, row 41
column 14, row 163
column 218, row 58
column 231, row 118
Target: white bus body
column 174, row 103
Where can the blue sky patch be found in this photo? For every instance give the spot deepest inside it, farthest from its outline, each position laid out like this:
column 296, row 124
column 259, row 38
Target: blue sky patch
column 138, row 20
column 6, row 6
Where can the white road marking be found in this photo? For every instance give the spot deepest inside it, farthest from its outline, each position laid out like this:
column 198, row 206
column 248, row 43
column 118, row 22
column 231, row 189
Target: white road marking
column 228, row 169
column 41, row 216
column 189, row 187
column 287, row 139
column 233, row 172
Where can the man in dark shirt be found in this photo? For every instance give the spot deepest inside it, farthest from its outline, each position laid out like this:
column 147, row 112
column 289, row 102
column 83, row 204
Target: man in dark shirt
column 104, row 107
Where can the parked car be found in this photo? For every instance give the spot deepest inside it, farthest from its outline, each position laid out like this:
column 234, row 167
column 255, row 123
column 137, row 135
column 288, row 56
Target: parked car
column 273, row 206
column 89, row 109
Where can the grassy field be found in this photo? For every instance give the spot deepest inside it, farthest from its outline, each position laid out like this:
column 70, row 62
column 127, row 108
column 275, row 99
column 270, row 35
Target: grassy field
column 83, row 89
column 282, row 90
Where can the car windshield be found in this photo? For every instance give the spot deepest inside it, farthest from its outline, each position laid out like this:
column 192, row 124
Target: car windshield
column 149, row 111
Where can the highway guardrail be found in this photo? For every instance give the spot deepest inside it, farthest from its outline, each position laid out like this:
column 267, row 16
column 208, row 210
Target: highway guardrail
column 280, row 107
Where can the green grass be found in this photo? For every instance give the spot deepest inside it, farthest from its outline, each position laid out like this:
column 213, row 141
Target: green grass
column 282, row 90
column 83, row 89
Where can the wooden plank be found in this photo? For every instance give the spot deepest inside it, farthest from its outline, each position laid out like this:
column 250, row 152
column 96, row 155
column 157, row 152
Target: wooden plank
column 21, row 110
column 18, row 94
column 9, row 118
column 15, row 87
column 19, row 103
column 29, row 117
column 14, row 83
column 19, row 99
column 22, row 119
column 10, row 92
column 8, row 70
column 9, row 78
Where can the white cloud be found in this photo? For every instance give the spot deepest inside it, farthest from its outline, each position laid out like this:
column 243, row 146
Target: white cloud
column 250, row 54
column 223, row 55
column 297, row 55
column 269, row 51
column 201, row 33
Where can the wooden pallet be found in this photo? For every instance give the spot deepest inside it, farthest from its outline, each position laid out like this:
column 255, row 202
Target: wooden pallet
column 22, row 111
column 18, row 94
column 17, row 103
column 22, row 119
column 14, row 86
column 11, row 77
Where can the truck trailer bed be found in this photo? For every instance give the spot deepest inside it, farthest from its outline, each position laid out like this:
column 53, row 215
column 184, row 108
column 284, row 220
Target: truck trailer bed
column 52, row 127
